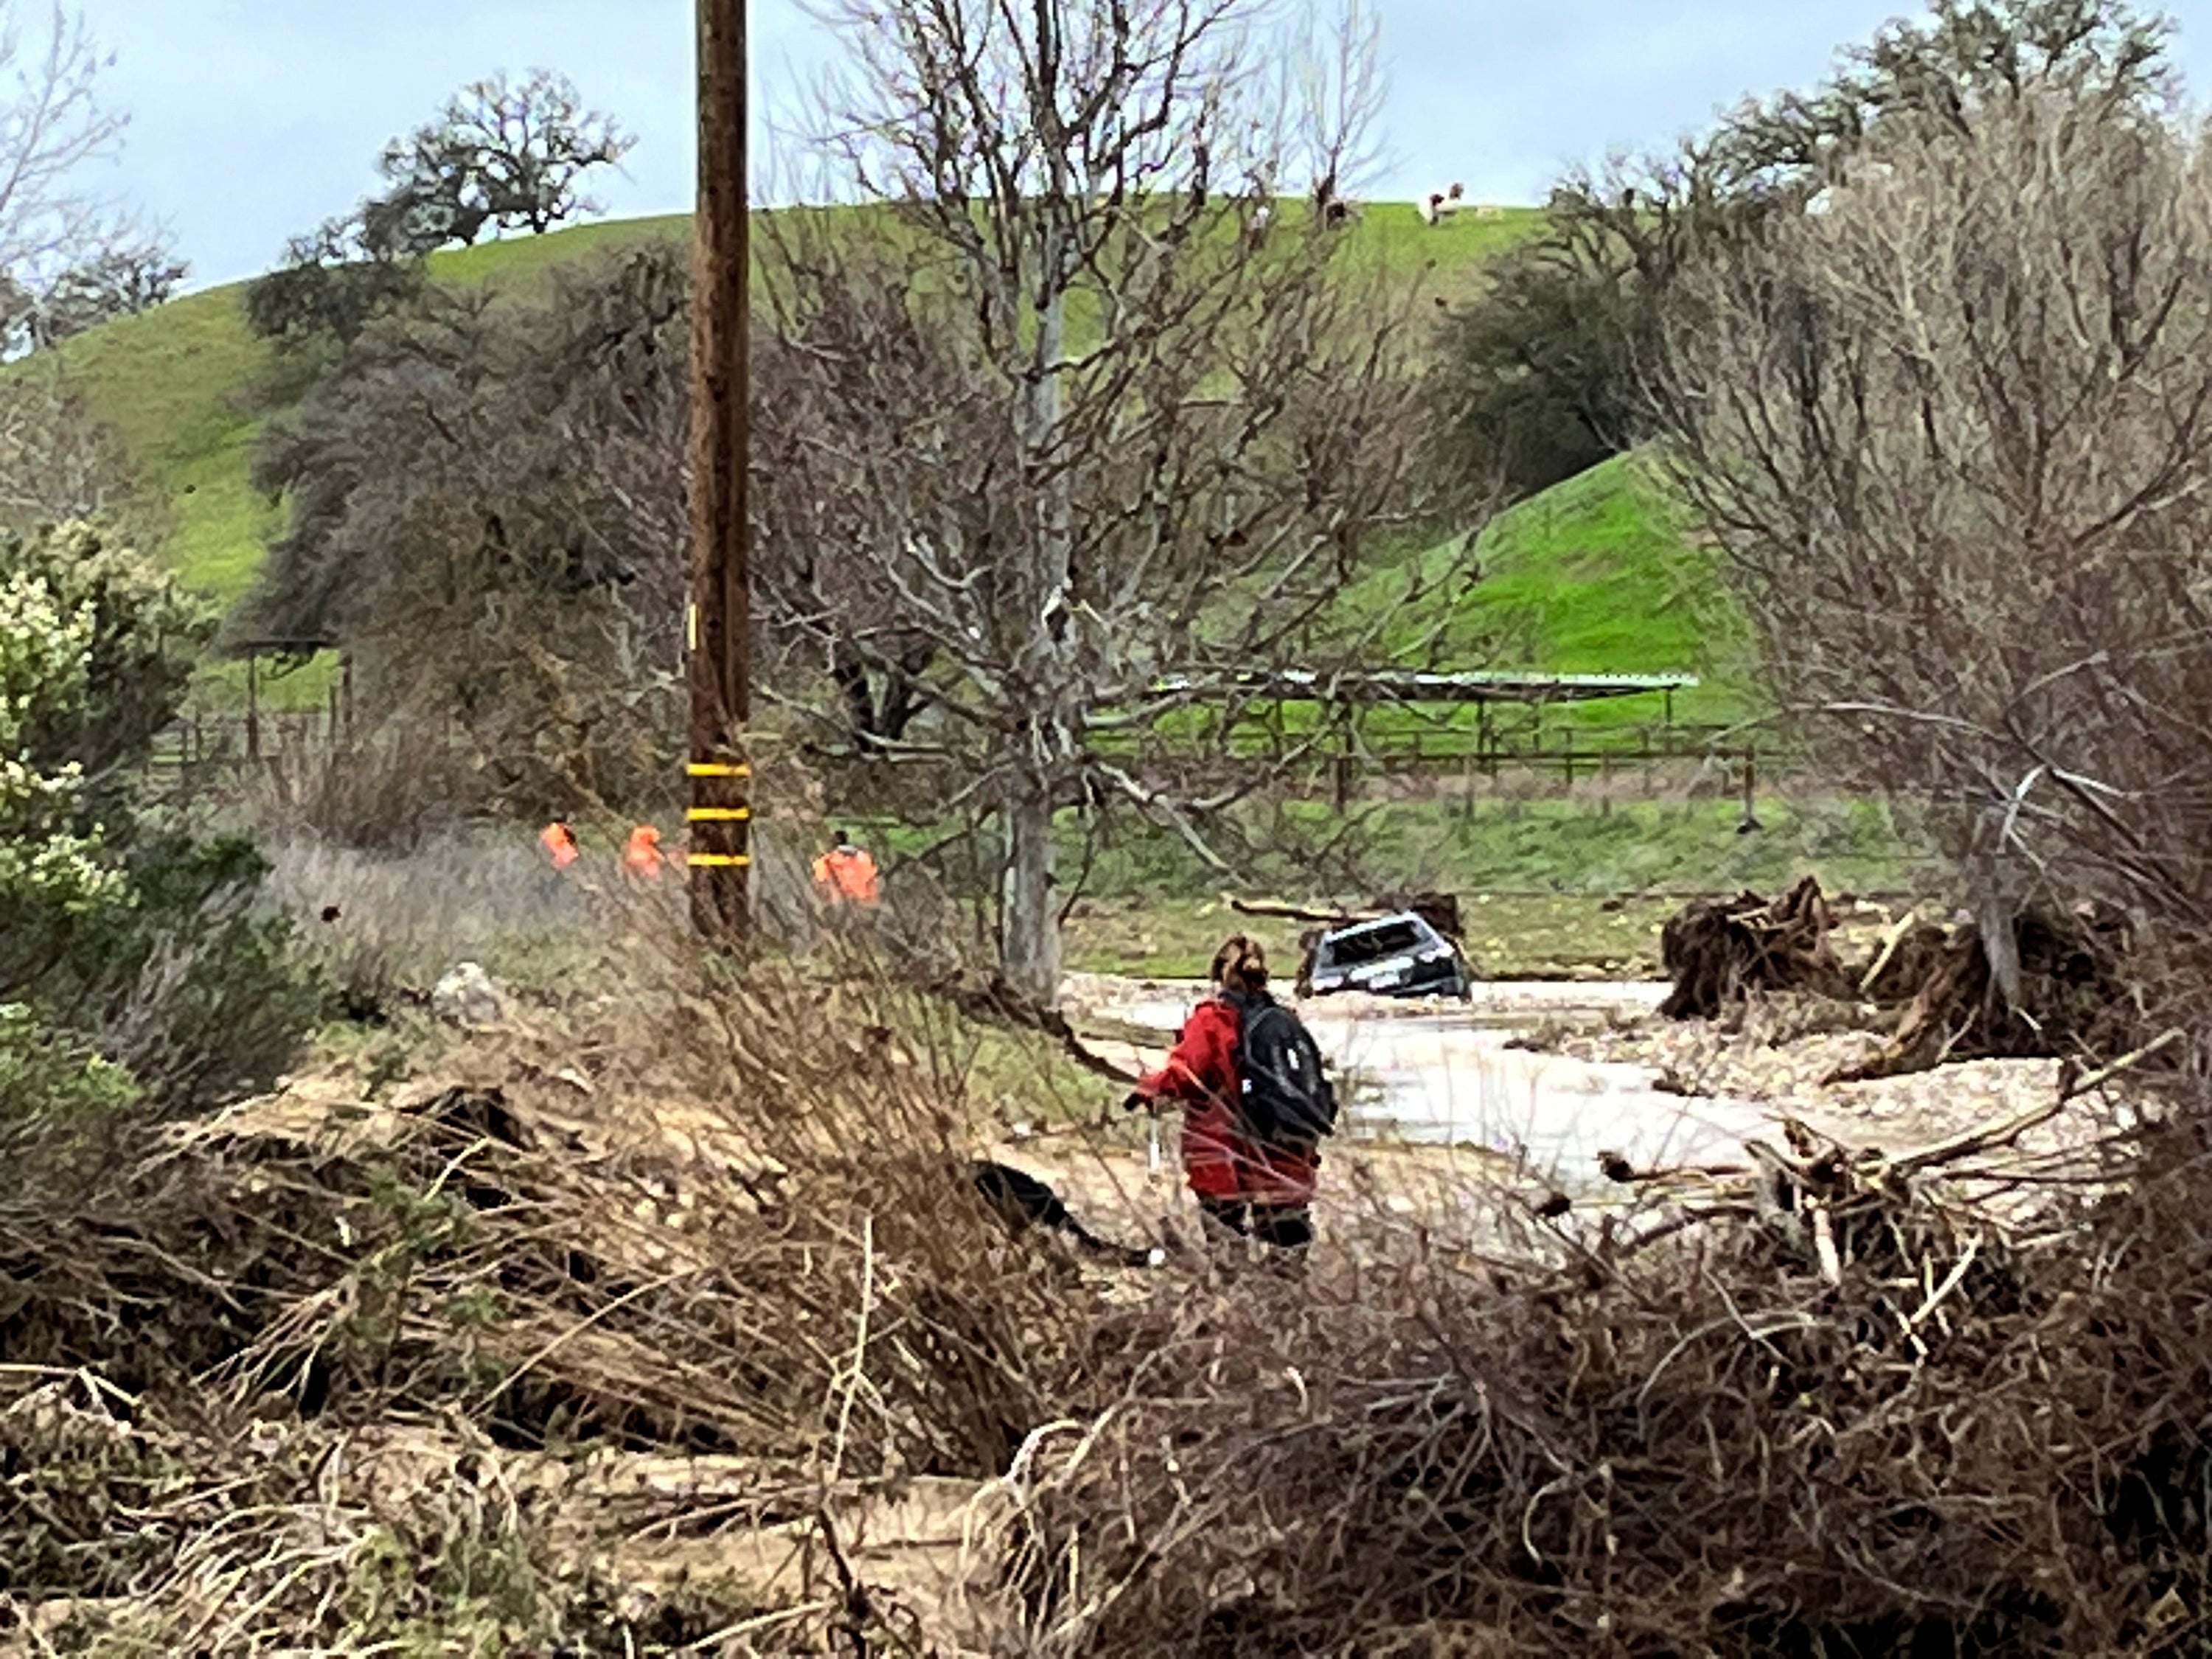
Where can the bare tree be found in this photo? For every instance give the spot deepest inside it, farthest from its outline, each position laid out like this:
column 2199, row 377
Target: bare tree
column 1954, row 429
column 1102, row 418
column 502, row 156
column 486, row 505
column 128, row 274
column 58, row 463
column 50, row 125
column 67, row 256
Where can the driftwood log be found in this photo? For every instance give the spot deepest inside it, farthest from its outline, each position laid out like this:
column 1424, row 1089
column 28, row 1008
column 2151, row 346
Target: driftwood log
column 1718, row 951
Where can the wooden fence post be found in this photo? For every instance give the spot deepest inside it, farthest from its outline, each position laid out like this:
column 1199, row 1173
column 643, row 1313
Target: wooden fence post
column 252, row 705
column 1347, row 750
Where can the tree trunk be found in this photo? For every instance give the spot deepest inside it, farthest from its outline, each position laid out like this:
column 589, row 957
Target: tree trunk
column 1029, row 931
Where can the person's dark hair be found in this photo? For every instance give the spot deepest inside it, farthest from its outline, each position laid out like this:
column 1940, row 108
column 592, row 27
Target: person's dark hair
column 1240, row 964
column 838, row 838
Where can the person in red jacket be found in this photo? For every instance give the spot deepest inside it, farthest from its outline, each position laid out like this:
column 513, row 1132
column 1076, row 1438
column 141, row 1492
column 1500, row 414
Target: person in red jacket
column 1261, row 1192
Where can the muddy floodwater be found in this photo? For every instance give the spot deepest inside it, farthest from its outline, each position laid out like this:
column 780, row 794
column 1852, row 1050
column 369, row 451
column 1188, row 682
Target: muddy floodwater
column 1443, row 1073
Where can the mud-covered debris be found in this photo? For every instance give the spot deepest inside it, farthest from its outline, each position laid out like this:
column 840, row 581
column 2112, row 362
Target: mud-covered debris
column 1719, row 951
column 2073, row 995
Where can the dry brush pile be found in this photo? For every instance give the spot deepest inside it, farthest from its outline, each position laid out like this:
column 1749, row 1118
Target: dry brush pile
column 1899, row 1432
column 337, row 1369
column 744, row 1238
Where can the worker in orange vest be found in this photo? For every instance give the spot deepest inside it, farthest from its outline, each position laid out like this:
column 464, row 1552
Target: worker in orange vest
column 846, row 874
column 560, row 843
column 641, row 855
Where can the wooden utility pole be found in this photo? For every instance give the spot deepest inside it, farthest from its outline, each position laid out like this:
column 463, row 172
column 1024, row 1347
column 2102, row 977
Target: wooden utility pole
column 720, row 813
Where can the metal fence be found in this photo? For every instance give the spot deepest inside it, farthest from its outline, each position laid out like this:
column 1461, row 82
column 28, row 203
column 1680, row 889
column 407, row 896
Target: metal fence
column 211, row 752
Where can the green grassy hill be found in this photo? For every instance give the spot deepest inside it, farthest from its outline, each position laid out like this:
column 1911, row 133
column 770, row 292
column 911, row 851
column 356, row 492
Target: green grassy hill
column 185, row 386
column 1600, row 575
column 1592, row 576
column 1597, row 575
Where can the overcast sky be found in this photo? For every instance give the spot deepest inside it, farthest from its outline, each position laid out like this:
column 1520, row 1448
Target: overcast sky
column 253, row 120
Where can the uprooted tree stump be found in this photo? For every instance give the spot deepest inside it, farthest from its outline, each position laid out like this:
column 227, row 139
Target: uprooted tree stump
column 1718, row 951
column 2072, row 997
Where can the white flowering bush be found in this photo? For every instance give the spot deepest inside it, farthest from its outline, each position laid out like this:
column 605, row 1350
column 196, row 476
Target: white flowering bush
column 45, row 663
column 132, row 950
column 49, row 1079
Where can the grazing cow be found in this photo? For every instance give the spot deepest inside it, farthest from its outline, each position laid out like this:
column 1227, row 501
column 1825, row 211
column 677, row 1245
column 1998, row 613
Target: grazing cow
column 1438, row 203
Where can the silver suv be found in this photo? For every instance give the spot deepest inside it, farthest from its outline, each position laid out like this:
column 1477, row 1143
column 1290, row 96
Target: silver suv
column 1399, row 956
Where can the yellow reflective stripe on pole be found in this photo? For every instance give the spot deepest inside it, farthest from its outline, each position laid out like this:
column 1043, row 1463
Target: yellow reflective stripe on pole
column 717, row 769
column 718, row 814
column 720, row 860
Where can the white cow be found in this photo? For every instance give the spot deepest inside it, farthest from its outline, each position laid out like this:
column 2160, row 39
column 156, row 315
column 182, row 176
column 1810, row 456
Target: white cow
column 1438, row 203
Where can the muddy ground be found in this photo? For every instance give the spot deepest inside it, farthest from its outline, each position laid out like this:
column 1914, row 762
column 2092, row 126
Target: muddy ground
column 1527, row 1086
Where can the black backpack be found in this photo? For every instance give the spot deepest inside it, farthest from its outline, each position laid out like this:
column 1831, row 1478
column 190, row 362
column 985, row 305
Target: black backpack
column 1286, row 1102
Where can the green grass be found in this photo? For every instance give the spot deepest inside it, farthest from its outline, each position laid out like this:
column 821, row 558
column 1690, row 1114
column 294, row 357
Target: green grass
column 1597, row 575
column 1549, row 887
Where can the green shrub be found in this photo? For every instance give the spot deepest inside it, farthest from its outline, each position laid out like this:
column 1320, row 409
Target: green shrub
column 204, row 992
column 56, row 1094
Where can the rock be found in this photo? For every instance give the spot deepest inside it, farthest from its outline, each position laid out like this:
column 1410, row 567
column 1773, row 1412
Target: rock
column 467, row 996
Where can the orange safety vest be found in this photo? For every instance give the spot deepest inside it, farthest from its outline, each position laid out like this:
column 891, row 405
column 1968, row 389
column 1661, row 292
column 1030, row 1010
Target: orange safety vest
column 848, row 873
column 642, row 856
column 560, row 844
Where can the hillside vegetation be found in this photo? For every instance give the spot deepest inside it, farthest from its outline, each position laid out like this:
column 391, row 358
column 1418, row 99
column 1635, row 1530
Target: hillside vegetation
column 1592, row 576
column 187, row 387
column 1597, row 575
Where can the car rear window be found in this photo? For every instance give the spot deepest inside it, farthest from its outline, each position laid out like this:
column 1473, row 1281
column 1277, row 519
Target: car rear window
column 1370, row 943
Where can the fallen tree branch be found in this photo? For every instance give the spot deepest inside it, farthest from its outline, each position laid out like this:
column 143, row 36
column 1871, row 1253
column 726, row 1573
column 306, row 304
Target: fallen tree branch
column 2004, row 1133
column 2104, row 1074
column 1297, row 911
column 1889, row 944
column 1823, row 1244
column 1000, row 1004
column 1952, row 1280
